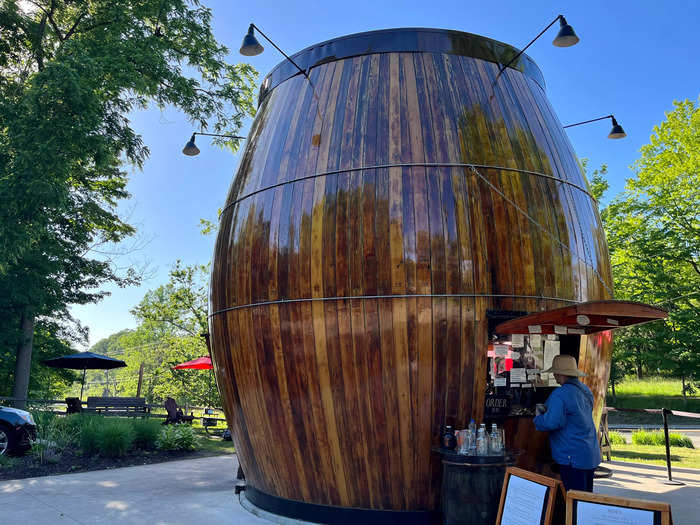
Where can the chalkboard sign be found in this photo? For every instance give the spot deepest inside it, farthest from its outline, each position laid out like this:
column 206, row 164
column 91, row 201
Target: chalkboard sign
column 527, row 498
column 586, row 508
column 496, row 405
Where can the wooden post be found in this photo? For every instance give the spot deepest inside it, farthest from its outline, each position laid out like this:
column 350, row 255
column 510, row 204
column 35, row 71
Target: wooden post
column 138, row 388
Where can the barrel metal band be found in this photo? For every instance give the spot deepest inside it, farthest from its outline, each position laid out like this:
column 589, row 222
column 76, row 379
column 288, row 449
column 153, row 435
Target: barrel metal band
column 408, row 165
column 394, row 296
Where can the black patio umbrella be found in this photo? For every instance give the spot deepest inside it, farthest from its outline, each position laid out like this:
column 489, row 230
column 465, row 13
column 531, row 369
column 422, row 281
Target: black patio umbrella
column 84, row 361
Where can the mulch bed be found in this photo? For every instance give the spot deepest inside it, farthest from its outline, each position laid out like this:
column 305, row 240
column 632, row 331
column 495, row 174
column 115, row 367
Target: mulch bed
column 28, row 466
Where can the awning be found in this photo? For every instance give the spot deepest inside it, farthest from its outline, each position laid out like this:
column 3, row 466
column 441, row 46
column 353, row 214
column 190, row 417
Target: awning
column 583, row 318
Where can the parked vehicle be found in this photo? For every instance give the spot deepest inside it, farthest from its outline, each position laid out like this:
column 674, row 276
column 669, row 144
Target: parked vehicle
column 17, row 431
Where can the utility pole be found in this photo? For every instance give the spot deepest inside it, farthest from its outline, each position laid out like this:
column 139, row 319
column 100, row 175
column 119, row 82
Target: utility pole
column 138, row 388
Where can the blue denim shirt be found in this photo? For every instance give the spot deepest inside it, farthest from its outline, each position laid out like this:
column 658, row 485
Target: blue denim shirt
column 569, row 420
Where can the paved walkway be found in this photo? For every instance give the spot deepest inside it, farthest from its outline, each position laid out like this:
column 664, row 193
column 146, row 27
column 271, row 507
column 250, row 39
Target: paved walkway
column 200, row 491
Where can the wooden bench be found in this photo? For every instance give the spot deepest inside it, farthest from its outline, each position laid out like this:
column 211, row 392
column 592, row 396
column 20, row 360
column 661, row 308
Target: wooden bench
column 117, row 406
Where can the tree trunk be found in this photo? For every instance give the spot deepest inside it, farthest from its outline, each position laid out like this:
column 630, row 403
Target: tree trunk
column 683, row 383
column 24, row 359
column 613, row 391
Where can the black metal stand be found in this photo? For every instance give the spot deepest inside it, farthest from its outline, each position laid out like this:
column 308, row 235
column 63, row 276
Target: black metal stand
column 670, row 481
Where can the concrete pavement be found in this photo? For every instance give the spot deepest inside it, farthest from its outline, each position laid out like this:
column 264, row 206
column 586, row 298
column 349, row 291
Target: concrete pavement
column 201, row 491
column 635, row 480
column 172, row 493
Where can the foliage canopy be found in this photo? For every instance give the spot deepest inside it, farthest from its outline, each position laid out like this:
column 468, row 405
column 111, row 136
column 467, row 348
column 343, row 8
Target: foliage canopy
column 72, row 70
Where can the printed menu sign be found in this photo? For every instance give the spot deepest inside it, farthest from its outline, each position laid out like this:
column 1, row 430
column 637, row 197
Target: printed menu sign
column 525, row 502
column 596, row 514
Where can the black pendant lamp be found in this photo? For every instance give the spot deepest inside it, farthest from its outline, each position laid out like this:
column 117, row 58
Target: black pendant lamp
column 191, row 148
column 566, row 36
column 616, row 132
column 250, row 46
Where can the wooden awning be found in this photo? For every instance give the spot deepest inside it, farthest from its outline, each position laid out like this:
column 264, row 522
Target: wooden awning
column 583, row 318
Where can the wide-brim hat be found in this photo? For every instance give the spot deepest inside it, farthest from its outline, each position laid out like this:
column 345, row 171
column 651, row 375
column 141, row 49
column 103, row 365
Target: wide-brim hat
column 564, row 365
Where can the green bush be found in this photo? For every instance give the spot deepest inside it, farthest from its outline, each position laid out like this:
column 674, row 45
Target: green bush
column 616, row 438
column 644, row 437
column 53, row 436
column 146, row 433
column 116, row 437
column 90, row 435
column 177, row 437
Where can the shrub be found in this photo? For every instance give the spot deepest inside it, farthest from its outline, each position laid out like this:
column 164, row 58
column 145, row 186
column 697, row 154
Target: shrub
column 644, row 437
column 90, row 435
column 617, row 439
column 146, row 433
column 53, row 436
column 176, row 437
column 115, row 437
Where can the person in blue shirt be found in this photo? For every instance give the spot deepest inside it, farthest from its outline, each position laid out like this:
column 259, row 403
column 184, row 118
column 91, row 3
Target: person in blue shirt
column 568, row 417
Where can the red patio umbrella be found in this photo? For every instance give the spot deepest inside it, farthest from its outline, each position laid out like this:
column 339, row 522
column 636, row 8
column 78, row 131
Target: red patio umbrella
column 201, row 363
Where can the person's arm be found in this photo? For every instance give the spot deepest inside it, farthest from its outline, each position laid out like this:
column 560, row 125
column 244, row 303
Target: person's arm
column 554, row 418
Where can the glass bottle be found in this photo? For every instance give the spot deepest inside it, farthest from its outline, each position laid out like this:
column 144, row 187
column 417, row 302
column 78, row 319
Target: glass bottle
column 482, row 441
column 471, row 438
column 449, row 441
column 495, row 445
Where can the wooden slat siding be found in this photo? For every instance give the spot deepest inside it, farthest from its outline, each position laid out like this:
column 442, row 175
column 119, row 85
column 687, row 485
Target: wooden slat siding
column 266, row 140
column 245, row 364
column 272, row 394
column 300, row 400
column 365, row 433
column 551, row 249
column 362, row 386
column 422, row 375
column 321, row 420
column 481, row 337
column 535, row 195
column 512, row 251
column 534, row 95
column 399, row 151
column 522, row 189
column 565, row 218
column 286, row 395
column 380, row 415
column 412, row 139
column 498, row 243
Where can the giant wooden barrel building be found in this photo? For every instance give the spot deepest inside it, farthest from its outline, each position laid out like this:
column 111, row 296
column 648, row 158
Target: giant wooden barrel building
column 384, row 208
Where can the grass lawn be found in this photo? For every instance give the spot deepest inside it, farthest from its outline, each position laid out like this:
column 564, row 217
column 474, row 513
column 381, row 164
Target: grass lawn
column 214, row 444
column 680, row 457
column 649, row 387
column 651, row 393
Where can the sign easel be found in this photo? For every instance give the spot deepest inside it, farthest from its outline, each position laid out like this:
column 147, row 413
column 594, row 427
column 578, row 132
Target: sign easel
column 528, row 498
column 586, row 508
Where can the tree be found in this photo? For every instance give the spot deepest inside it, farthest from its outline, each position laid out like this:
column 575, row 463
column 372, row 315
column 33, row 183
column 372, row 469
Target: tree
column 71, row 71
column 171, row 319
column 653, row 231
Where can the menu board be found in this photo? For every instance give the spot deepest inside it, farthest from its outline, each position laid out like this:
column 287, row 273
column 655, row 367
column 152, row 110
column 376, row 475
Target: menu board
column 587, row 508
column 528, row 498
column 525, row 502
column 588, row 513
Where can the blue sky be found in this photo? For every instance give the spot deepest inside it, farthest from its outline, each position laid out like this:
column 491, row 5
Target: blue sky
column 633, row 60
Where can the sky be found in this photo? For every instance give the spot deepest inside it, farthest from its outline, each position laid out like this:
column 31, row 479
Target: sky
column 634, row 59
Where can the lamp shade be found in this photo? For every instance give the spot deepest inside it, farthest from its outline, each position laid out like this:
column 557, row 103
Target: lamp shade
column 616, row 132
column 250, row 46
column 566, row 36
column 191, row 148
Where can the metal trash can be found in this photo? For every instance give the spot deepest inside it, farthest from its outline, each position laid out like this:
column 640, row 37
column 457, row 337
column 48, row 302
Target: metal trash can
column 471, row 486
